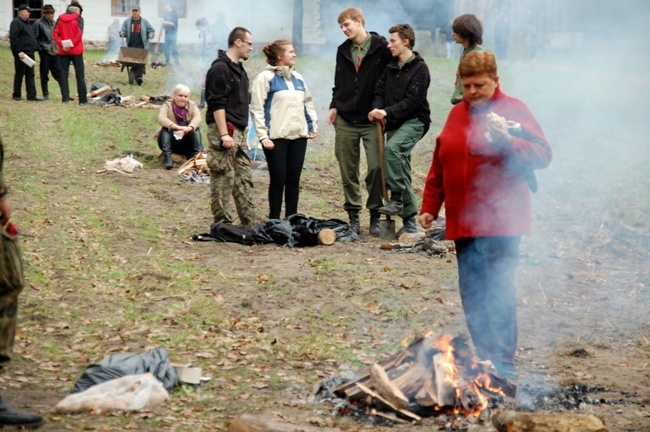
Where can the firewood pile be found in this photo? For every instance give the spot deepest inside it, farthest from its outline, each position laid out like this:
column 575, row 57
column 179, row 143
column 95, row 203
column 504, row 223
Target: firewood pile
column 431, row 377
column 107, row 63
column 431, row 242
column 196, row 169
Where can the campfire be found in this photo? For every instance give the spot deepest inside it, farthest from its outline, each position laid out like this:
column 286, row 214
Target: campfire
column 431, row 377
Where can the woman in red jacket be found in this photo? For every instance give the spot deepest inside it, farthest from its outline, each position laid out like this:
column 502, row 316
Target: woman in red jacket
column 482, row 170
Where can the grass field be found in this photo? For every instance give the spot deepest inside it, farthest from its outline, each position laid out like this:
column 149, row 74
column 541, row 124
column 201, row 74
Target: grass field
column 111, row 267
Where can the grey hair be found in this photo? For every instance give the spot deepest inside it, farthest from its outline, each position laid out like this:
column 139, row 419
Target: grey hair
column 181, row 88
column 74, row 9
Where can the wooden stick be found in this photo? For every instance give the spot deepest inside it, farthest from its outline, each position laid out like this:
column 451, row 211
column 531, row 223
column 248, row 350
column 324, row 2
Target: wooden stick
column 405, row 413
column 386, row 388
column 380, row 143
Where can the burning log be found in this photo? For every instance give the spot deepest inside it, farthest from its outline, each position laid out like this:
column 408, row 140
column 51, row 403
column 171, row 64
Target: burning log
column 405, row 413
column 386, row 388
column 267, row 423
column 426, row 397
column 444, row 384
column 469, row 398
column 511, row 421
column 411, row 381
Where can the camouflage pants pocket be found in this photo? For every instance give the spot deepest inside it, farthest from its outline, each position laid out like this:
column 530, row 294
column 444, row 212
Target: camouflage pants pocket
column 11, row 265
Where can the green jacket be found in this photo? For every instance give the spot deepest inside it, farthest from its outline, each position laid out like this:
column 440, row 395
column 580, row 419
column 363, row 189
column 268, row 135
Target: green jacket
column 458, row 91
column 146, row 32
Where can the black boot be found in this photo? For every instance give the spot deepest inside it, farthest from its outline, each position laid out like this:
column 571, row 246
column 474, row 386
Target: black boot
column 374, row 223
column 410, row 226
column 354, row 221
column 169, row 163
column 165, row 144
column 10, row 416
column 394, row 206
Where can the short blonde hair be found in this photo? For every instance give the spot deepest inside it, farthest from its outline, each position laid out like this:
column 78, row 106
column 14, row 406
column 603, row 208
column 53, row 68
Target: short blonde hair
column 476, row 63
column 181, row 88
column 353, row 14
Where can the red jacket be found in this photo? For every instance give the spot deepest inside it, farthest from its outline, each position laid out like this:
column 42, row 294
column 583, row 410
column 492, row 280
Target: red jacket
column 484, row 189
column 67, row 27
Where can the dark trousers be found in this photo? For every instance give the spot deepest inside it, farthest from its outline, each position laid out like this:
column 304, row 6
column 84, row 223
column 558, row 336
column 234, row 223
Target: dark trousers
column 486, row 272
column 49, row 63
column 285, row 162
column 24, row 71
column 78, row 62
column 170, row 47
column 188, row 146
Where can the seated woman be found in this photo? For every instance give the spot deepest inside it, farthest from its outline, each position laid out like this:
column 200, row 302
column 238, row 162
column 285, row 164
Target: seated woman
column 180, row 119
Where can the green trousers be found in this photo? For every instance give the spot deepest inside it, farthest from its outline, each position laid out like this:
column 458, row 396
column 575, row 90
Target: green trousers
column 348, row 153
column 397, row 163
column 230, row 176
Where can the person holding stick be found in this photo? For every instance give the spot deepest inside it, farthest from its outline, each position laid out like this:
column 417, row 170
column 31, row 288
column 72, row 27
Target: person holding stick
column 482, row 171
column 401, row 103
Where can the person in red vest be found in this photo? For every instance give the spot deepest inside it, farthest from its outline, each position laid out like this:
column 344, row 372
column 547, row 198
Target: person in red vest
column 68, row 36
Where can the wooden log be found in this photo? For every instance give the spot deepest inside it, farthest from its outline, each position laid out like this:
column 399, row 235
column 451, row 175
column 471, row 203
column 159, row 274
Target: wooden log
column 469, row 399
column 267, row 423
column 426, row 397
column 403, row 412
column 410, row 382
column 99, row 92
column 411, row 237
column 511, row 421
column 326, row 236
column 386, row 388
column 445, row 389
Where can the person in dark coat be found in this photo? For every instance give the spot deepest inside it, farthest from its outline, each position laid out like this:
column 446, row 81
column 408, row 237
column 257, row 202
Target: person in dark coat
column 23, row 45
column 400, row 102
column 360, row 61
column 47, row 49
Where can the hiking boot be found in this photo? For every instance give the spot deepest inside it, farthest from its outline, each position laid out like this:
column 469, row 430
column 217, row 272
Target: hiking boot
column 169, row 163
column 374, row 223
column 394, row 206
column 354, row 221
column 409, row 226
column 10, row 416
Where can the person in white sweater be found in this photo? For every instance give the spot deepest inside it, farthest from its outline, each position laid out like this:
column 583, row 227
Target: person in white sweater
column 283, row 113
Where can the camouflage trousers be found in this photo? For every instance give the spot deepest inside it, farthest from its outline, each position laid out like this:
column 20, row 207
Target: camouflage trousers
column 11, row 284
column 230, row 177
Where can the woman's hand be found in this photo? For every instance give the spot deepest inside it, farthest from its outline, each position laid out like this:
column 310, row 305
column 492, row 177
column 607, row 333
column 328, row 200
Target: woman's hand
column 500, row 136
column 267, row 144
column 426, row 219
column 312, row 135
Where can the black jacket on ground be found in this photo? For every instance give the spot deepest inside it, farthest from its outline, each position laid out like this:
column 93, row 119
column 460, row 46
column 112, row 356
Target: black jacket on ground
column 21, row 37
column 402, row 93
column 352, row 94
column 226, row 87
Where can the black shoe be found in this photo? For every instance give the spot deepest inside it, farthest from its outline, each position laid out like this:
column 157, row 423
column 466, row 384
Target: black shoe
column 139, row 81
column 410, row 226
column 85, row 103
column 354, row 221
column 10, row 416
column 36, row 99
column 18, row 99
column 374, row 223
column 169, row 163
column 46, row 97
column 70, row 98
column 394, row 206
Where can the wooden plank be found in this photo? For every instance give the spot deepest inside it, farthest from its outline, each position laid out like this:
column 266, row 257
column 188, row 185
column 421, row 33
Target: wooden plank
column 267, row 423
column 405, row 413
column 445, row 390
column 511, row 421
column 386, row 388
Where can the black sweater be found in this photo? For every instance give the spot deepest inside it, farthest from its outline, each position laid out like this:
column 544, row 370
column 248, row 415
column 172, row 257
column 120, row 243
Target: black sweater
column 21, row 37
column 402, row 93
column 226, row 87
column 353, row 92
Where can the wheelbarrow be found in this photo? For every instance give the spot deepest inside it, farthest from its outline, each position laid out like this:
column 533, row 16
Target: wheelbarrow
column 131, row 58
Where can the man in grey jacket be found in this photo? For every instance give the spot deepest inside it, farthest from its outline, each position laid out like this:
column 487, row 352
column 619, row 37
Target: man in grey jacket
column 47, row 49
column 137, row 31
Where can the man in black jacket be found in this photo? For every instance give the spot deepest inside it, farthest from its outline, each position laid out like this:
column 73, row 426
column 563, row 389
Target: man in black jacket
column 360, row 61
column 226, row 92
column 23, row 44
column 47, row 49
column 401, row 102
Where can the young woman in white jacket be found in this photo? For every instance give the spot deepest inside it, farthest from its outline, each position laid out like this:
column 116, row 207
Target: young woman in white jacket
column 283, row 113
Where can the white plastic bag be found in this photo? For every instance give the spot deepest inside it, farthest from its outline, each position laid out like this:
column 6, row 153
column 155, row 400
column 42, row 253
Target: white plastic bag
column 131, row 392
